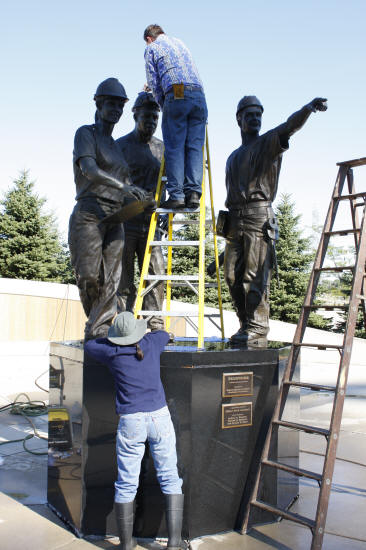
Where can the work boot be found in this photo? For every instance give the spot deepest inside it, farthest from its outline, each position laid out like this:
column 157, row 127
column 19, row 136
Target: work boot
column 193, row 200
column 124, row 519
column 174, row 518
column 246, row 337
column 241, row 336
column 172, row 204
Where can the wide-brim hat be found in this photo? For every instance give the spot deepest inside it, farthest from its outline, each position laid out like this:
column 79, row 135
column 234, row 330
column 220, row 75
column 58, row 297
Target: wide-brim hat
column 126, row 329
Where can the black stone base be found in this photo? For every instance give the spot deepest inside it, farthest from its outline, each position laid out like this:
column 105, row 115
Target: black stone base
column 217, row 464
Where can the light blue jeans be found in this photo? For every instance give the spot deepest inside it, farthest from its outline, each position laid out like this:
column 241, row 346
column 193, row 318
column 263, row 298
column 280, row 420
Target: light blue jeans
column 183, row 126
column 133, row 430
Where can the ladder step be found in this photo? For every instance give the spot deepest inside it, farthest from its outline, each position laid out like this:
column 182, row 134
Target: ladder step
column 352, row 196
column 319, row 346
column 182, row 210
column 310, row 386
column 163, row 313
column 341, row 232
column 302, row 520
column 182, row 283
column 352, row 163
column 302, row 427
column 340, row 268
column 175, row 243
column 296, row 471
column 190, row 222
column 327, row 307
column 172, row 278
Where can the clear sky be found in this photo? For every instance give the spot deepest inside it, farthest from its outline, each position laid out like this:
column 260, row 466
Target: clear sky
column 54, row 54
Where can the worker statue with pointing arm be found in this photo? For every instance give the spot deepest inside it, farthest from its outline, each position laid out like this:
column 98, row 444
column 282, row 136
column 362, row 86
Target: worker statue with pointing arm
column 252, row 173
column 103, row 184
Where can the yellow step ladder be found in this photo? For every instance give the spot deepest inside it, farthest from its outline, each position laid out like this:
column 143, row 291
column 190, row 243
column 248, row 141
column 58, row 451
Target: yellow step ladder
column 148, row 282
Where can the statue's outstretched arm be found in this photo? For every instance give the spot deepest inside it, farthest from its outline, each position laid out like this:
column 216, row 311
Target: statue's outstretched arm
column 298, row 119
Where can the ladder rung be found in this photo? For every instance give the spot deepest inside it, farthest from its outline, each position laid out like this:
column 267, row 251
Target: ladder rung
column 341, row 232
column 175, row 243
column 172, row 278
column 162, row 313
column 310, row 386
column 302, row 520
column 319, row 346
column 340, row 268
column 181, row 283
column 190, row 222
column 352, row 196
column 327, row 307
column 302, row 427
column 292, row 470
column 182, row 210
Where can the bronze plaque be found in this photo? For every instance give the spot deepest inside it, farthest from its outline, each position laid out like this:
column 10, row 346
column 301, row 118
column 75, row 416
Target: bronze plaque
column 236, row 415
column 237, row 384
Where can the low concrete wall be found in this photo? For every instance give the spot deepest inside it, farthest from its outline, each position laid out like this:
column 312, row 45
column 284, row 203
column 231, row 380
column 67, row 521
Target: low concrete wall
column 34, row 310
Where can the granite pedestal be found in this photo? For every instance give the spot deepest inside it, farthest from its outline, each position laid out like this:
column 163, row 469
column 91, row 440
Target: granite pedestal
column 221, row 401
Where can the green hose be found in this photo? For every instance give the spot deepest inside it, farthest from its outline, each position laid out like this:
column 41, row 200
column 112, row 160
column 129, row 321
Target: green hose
column 27, row 410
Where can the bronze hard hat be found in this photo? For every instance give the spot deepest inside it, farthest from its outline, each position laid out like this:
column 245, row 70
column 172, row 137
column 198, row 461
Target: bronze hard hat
column 248, row 101
column 145, row 99
column 111, row 87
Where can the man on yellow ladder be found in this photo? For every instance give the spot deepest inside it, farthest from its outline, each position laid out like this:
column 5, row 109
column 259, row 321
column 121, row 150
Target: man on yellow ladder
column 174, row 80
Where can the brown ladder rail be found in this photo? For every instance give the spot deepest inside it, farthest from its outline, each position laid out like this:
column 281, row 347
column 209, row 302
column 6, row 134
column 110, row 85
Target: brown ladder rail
column 317, row 526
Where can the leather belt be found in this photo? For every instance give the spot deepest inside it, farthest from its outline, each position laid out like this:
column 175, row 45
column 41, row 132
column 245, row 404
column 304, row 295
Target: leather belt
column 251, row 208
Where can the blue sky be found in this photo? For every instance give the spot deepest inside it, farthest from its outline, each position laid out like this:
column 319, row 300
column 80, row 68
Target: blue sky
column 54, row 54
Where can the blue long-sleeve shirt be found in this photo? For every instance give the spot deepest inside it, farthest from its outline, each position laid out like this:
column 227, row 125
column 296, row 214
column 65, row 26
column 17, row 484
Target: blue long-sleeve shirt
column 168, row 61
column 138, row 384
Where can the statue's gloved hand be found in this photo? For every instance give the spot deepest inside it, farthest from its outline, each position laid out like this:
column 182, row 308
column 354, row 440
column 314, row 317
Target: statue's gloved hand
column 318, row 104
column 151, row 206
column 136, row 192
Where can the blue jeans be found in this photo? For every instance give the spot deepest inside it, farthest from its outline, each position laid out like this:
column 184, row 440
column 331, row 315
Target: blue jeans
column 133, row 430
column 183, row 127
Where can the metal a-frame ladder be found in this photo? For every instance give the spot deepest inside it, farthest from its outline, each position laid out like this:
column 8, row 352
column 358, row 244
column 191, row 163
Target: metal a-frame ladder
column 148, row 282
column 317, row 526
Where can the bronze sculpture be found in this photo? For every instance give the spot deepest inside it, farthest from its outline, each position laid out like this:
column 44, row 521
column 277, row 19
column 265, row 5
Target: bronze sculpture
column 143, row 153
column 102, row 184
column 252, row 173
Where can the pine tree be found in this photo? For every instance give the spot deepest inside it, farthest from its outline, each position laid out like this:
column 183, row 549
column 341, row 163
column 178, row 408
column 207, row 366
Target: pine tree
column 346, row 279
column 29, row 242
column 294, row 258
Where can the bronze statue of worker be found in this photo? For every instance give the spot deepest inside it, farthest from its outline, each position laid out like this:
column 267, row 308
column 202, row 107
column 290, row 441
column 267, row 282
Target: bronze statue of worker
column 143, row 153
column 102, row 185
column 252, row 173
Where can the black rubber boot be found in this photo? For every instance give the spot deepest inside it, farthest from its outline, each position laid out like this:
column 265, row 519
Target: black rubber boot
column 124, row 518
column 174, row 518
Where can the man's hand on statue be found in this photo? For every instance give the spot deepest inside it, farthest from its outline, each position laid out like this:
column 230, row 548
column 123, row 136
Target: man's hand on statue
column 318, row 104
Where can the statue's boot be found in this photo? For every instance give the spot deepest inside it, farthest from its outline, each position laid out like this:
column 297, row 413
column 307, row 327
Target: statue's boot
column 247, row 337
column 124, row 519
column 174, row 505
